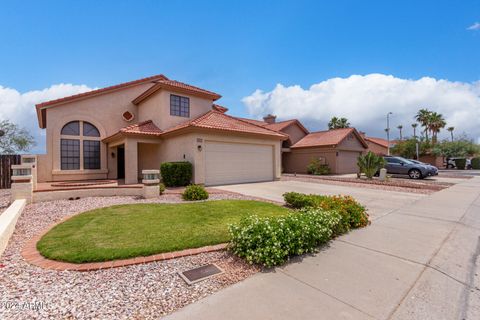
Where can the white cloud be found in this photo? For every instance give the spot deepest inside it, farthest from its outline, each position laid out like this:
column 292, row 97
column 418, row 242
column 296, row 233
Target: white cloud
column 475, row 26
column 20, row 107
column 365, row 101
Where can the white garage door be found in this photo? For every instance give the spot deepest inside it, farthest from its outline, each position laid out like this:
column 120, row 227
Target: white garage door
column 227, row 163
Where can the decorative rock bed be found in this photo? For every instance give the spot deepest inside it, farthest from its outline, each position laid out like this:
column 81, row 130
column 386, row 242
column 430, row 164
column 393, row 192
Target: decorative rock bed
column 145, row 291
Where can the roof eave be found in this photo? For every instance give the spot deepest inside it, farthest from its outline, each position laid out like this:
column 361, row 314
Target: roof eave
column 151, row 91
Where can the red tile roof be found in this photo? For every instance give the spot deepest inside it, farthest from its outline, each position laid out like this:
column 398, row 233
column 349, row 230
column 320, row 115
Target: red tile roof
column 220, row 121
column 253, row 121
column 278, row 126
column 41, row 113
column 145, row 127
column 380, row 141
column 176, row 86
column 327, row 138
column 219, row 108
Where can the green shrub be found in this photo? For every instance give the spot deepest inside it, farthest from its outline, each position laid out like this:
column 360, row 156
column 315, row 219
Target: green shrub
column 299, row 200
column 271, row 241
column 353, row 214
column 161, row 188
column 475, row 163
column 176, row 174
column 370, row 164
column 195, row 192
column 317, row 168
column 461, row 163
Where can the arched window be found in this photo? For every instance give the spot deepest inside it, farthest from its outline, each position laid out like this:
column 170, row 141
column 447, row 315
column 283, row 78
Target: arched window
column 79, row 146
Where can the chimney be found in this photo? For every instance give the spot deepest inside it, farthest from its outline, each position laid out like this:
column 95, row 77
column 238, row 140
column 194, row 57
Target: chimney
column 269, row 118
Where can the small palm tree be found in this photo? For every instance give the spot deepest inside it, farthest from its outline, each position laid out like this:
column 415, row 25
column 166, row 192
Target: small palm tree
column 450, row 129
column 370, row 164
column 436, row 123
column 400, row 127
column 338, row 123
column 423, row 117
column 414, row 126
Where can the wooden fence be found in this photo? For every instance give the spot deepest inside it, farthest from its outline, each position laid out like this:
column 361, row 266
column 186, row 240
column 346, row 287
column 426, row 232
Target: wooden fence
column 6, row 160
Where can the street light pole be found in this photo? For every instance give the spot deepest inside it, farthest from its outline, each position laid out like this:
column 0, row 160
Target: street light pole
column 388, row 132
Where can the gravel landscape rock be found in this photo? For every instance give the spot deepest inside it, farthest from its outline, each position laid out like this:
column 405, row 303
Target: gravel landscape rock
column 146, row 291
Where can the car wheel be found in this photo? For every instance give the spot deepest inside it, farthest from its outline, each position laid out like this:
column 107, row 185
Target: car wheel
column 415, row 174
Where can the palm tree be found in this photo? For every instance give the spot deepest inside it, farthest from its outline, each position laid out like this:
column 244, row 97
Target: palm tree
column 423, row 117
column 400, row 127
column 436, row 123
column 338, row 123
column 414, row 126
column 450, row 129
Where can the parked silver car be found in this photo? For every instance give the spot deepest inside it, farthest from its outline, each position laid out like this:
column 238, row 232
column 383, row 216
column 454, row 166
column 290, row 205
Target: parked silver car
column 433, row 171
column 399, row 165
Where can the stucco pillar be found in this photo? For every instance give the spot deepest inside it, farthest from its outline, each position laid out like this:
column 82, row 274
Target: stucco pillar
column 131, row 161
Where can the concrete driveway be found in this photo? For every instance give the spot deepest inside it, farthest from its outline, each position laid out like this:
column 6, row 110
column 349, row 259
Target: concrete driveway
column 378, row 202
column 418, row 261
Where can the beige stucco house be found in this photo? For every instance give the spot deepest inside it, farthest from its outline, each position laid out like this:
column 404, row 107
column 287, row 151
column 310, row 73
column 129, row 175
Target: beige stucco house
column 116, row 132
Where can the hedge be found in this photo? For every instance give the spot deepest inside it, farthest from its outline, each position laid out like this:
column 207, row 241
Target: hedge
column 475, row 162
column 176, row 174
column 461, row 163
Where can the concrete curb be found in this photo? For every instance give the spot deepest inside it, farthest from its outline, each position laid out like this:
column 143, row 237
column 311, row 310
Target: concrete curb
column 8, row 220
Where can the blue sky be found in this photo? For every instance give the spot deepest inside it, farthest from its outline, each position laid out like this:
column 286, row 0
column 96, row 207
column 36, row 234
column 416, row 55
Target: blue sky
column 235, row 48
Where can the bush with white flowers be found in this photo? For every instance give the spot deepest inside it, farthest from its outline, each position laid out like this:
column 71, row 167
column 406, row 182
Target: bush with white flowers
column 272, row 241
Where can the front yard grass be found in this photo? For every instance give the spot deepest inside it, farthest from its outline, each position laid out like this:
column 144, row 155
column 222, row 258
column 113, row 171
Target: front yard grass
column 133, row 230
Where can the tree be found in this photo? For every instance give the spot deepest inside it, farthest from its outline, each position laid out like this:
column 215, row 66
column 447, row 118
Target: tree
column 400, row 127
column 370, row 164
column 436, row 122
column 338, row 123
column 462, row 147
column 450, row 129
column 414, row 126
column 15, row 139
column 423, row 117
column 407, row 148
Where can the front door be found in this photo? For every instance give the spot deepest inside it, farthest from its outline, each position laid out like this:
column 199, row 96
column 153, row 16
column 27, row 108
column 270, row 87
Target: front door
column 121, row 162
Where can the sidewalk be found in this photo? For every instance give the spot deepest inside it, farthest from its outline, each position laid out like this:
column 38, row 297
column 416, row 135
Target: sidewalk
column 418, row 262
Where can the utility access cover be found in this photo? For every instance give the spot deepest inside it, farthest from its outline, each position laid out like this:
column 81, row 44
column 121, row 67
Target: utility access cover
column 198, row 274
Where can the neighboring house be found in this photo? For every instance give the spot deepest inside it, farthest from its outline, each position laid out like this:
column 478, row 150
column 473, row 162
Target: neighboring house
column 115, row 132
column 378, row 146
column 338, row 148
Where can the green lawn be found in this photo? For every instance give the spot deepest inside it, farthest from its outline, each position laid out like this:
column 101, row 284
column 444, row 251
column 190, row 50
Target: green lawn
column 133, row 230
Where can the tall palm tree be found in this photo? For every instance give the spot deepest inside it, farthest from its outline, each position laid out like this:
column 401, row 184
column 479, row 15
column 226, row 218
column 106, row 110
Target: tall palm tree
column 423, row 117
column 414, row 126
column 436, row 123
column 338, row 123
column 450, row 129
column 400, row 127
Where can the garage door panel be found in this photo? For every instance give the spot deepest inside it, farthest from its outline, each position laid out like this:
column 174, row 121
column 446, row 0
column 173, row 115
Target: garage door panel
column 227, row 163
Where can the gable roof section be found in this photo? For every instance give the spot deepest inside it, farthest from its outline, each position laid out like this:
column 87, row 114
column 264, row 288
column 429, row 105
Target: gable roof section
column 380, row 141
column 145, row 128
column 220, row 121
column 328, row 138
column 279, row 126
column 253, row 121
column 41, row 107
column 175, row 86
column 219, row 108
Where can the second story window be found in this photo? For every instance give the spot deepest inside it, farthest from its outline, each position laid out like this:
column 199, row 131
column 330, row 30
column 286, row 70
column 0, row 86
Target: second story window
column 179, row 106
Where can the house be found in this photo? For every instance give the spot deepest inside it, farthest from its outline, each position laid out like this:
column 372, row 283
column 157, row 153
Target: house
column 117, row 131
column 379, row 146
column 339, row 148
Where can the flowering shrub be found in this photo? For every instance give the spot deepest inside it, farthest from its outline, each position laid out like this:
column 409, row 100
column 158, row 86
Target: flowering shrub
column 271, row 241
column 353, row 214
column 195, row 192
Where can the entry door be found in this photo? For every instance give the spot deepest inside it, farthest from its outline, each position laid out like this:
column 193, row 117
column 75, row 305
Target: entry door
column 120, row 163
column 229, row 163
